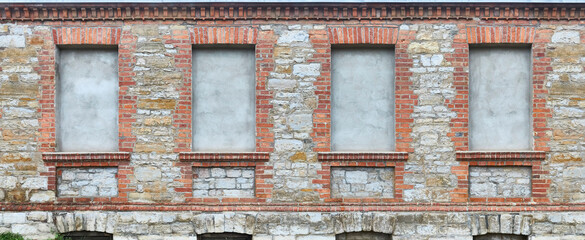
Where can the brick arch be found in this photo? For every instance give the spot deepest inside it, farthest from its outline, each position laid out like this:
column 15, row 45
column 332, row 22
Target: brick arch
column 85, row 221
column 226, row 222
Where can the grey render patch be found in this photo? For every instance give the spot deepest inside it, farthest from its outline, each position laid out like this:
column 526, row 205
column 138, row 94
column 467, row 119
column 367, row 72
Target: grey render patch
column 87, row 182
column 500, row 182
column 362, row 111
column 499, row 99
column 223, row 99
column 87, row 100
column 360, row 182
column 220, row 182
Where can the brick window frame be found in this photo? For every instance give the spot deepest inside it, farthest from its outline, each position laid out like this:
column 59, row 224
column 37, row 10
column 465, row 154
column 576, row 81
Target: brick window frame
column 120, row 160
column 532, row 159
column 396, row 160
column 77, row 36
column 404, row 100
column 263, row 45
column 83, row 36
column 190, row 160
column 502, row 34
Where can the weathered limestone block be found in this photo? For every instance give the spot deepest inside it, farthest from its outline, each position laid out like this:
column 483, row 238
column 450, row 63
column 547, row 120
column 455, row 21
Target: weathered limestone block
column 500, row 181
column 362, row 182
column 87, row 182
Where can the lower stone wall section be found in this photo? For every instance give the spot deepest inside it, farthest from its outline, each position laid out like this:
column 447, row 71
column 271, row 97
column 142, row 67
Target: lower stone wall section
column 144, row 225
column 498, row 182
column 87, row 182
column 361, row 182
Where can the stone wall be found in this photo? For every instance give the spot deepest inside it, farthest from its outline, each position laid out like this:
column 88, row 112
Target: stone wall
column 301, row 225
column 223, row 182
column 500, row 181
column 87, row 182
column 295, row 193
column 362, row 182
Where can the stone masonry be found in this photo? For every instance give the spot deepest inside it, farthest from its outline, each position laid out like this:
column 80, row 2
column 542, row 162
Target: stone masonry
column 500, row 181
column 87, row 182
column 223, row 182
column 291, row 186
column 362, row 182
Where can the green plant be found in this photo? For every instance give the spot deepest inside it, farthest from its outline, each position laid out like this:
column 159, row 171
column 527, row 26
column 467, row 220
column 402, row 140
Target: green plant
column 11, row 236
column 57, row 236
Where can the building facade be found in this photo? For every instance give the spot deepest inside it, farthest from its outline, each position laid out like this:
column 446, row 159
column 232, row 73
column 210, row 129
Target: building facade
column 293, row 121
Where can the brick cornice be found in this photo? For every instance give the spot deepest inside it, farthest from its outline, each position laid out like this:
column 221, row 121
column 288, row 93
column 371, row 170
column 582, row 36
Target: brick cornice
column 288, row 11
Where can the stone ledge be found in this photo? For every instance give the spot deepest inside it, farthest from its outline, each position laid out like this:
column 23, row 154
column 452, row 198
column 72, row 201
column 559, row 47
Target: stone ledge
column 347, row 156
column 243, row 156
column 86, row 156
column 500, row 156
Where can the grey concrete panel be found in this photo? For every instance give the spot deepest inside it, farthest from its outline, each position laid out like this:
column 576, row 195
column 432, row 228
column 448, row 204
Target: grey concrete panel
column 223, row 99
column 87, row 100
column 362, row 114
column 499, row 99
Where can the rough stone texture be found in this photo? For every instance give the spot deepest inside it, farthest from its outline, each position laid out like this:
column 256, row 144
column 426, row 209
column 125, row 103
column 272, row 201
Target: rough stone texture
column 300, row 225
column 157, row 70
column 348, row 182
column 235, row 182
column 19, row 113
column 87, row 182
column 500, row 181
column 429, row 166
column 294, row 101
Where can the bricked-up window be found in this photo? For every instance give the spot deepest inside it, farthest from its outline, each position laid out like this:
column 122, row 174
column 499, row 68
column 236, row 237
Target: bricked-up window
column 87, row 100
column 363, row 236
column 499, row 99
column 224, row 236
column 83, row 235
column 223, row 99
column 500, row 237
column 362, row 111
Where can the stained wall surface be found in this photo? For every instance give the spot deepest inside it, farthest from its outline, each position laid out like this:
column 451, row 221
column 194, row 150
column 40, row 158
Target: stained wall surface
column 88, row 100
column 499, row 99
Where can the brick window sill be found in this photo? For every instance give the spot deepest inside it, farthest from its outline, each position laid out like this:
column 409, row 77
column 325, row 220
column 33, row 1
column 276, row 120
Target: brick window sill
column 363, row 156
column 222, row 157
column 85, row 157
column 500, row 156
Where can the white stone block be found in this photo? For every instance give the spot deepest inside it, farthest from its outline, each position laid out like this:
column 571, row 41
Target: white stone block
column 12, row 41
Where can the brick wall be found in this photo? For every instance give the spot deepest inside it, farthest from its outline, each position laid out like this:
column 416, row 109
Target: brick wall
column 294, row 168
